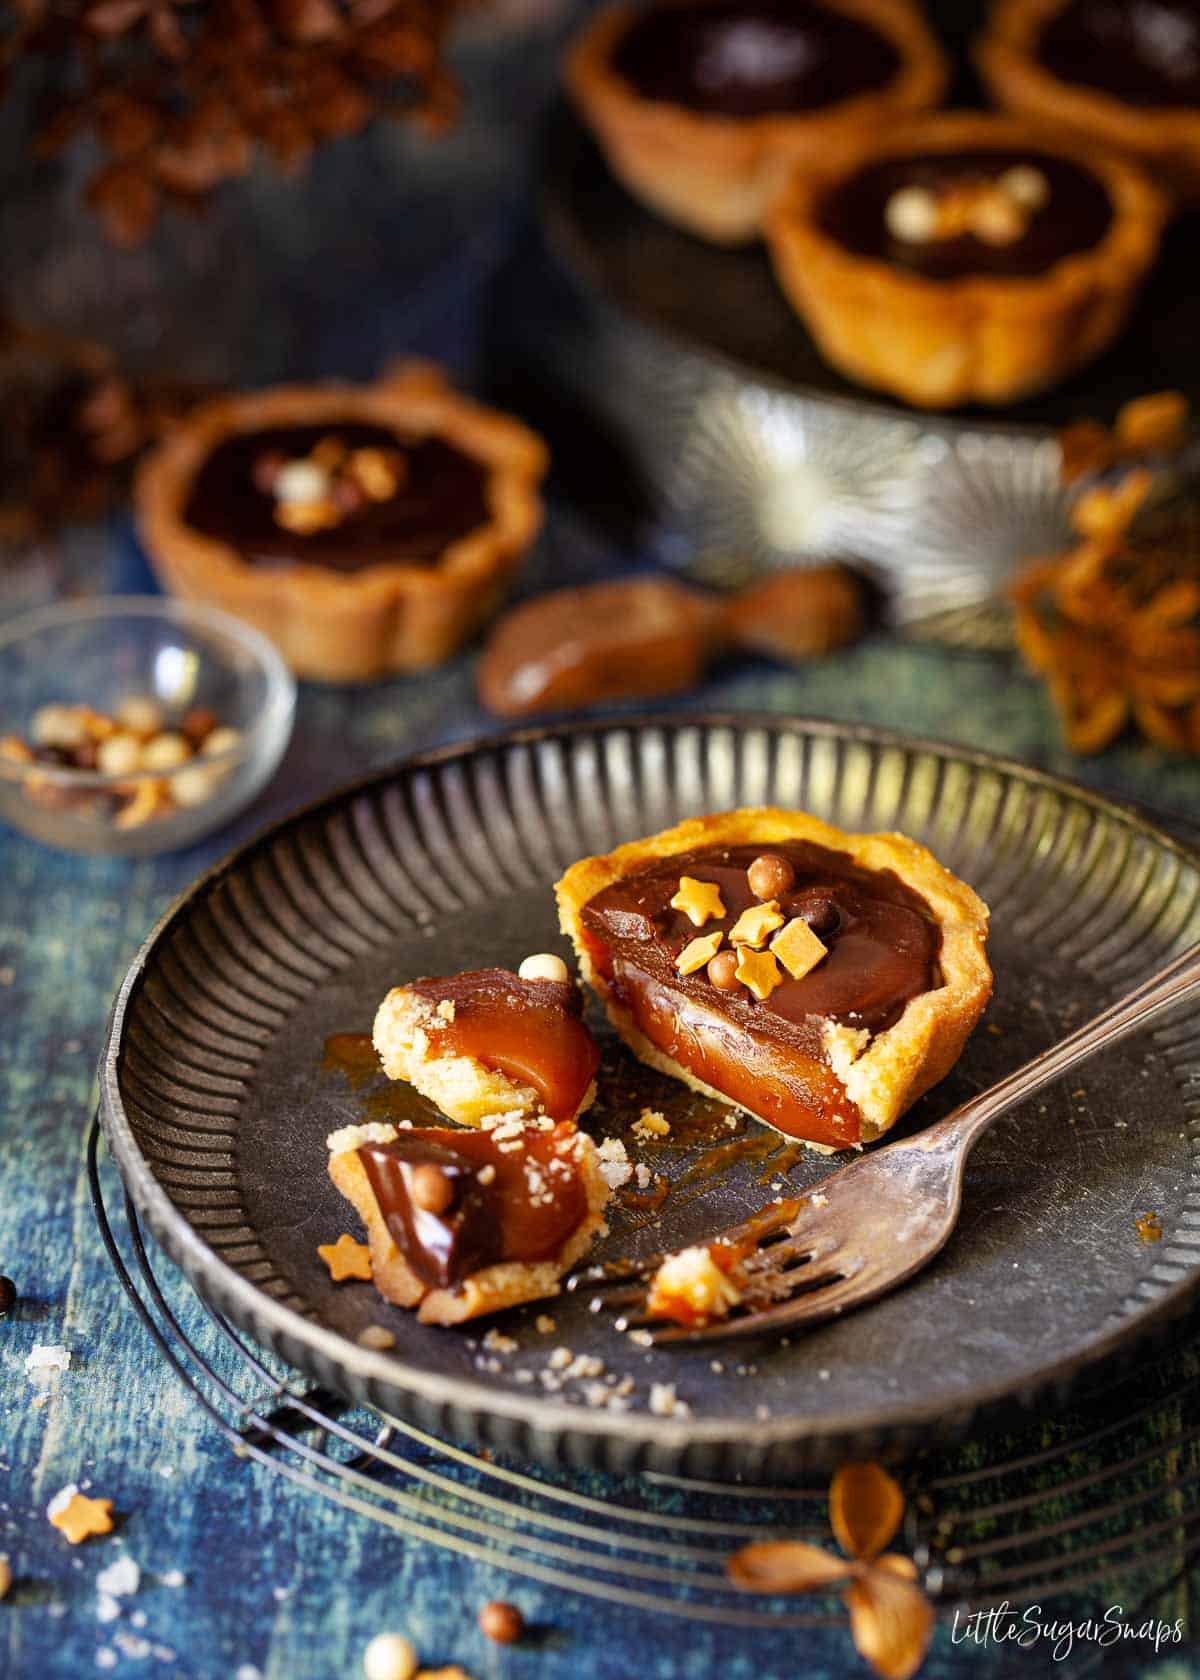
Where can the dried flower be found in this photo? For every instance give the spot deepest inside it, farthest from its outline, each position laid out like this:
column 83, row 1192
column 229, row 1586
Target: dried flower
column 891, row 1620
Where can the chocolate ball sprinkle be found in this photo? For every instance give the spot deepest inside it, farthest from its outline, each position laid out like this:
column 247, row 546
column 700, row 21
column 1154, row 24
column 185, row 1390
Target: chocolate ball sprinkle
column 432, row 1189
column 722, row 971
column 819, row 911
column 770, row 876
column 502, row 1623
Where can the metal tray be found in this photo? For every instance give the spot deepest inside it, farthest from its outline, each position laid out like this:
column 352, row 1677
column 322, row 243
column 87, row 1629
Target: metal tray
column 216, row 1107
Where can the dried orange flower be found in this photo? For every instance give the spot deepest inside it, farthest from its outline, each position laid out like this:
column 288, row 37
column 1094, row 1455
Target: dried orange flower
column 891, row 1620
column 346, row 1259
column 79, row 1517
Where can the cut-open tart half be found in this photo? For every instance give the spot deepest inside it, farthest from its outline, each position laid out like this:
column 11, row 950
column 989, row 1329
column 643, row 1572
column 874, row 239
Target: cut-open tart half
column 701, row 106
column 966, row 257
column 461, row 1223
column 366, row 529
column 817, row 979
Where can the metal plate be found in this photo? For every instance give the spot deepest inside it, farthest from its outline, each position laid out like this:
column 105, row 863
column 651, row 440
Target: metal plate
column 216, row 1106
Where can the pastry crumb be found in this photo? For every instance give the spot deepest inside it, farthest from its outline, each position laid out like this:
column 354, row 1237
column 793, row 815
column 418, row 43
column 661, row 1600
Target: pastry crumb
column 651, row 1122
column 616, row 1168
column 354, row 1137
column 664, row 1402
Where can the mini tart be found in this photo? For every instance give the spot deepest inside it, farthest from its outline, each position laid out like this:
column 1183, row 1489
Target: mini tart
column 523, row 1205
column 833, row 1058
column 715, row 172
column 384, row 615
column 1030, row 60
column 944, row 322
column 486, row 1043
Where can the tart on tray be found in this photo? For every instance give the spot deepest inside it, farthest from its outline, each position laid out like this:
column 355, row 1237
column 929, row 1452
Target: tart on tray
column 820, row 980
column 966, row 258
column 1123, row 73
column 365, row 529
column 701, row 106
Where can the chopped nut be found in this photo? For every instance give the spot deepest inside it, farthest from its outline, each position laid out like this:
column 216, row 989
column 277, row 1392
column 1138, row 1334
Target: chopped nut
column 652, row 1122
column 141, row 714
column 544, row 965
column 79, row 1517
column 755, row 924
column 346, row 1259
column 120, row 755
column 759, row 971
column 12, row 747
column 58, row 726
column 389, row 1656
column 798, row 948
column 912, row 215
column 166, row 751
column 144, row 803
column 698, row 952
column 700, row 901
column 222, row 741
column 194, row 784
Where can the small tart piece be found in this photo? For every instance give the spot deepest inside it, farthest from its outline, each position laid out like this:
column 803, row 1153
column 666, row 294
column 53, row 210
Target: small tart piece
column 701, row 106
column 461, row 1223
column 965, row 258
column 487, row 1043
column 365, row 529
column 1124, row 73
column 833, row 1056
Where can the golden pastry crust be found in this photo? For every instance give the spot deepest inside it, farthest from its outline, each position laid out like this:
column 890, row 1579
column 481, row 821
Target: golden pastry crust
column 981, row 338
column 885, row 1077
column 389, row 617
column 716, row 175
column 1165, row 139
column 405, row 1035
column 495, row 1287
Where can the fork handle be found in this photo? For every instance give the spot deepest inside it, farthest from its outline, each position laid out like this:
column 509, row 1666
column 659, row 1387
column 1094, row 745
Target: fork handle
column 1170, row 986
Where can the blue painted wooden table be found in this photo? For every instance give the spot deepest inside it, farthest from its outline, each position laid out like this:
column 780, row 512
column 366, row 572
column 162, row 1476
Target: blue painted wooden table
column 243, row 1575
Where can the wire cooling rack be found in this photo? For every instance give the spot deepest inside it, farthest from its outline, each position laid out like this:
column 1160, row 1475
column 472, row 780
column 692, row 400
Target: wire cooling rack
column 1102, row 1500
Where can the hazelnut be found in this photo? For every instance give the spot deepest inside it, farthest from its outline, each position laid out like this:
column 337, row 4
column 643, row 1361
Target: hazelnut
column 141, row 714
column 722, row 971
column 166, row 752
column 544, row 965
column 770, row 876
column 58, row 726
column 389, row 1656
column 912, row 215
column 120, row 755
column 503, row 1623
column 222, row 740
column 8, row 1295
column 198, row 725
column 431, row 1188
column 194, row 784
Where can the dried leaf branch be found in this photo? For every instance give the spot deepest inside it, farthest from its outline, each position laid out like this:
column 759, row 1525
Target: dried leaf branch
column 180, row 94
column 891, row 1620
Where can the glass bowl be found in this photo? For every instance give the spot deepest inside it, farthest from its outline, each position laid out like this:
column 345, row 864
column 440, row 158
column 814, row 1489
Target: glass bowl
column 102, row 654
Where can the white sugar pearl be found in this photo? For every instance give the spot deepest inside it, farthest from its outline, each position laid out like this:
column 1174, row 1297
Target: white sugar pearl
column 1027, row 185
column 912, row 215
column 544, row 965
column 58, row 726
column 166, row 752
column 120, row 755
column 194, row 784
column 221, row 740
column 301, row 481
column 389, row 1656
column 140, row 713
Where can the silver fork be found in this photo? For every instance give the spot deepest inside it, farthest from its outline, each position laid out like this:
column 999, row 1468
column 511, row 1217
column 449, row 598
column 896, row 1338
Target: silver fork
column 871, row 1225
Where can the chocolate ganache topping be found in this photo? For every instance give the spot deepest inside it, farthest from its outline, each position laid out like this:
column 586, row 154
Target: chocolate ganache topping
column 882, row 939
column 1075, row 215
column 440, row 495
column 1145, row 52
column 752, row 59
column 531, row 1203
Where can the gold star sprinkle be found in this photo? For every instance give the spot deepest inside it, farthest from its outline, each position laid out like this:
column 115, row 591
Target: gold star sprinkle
column 759, row 971
column 753, row 925
column 346, row 1259
column 80, row 1517
column 798, row 948
column 699, row 952
column 700, row 901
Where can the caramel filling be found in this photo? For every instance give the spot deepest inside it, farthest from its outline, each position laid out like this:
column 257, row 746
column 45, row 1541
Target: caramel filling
column 531, row 1203
column 530, row 1030
column 767, row 1054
